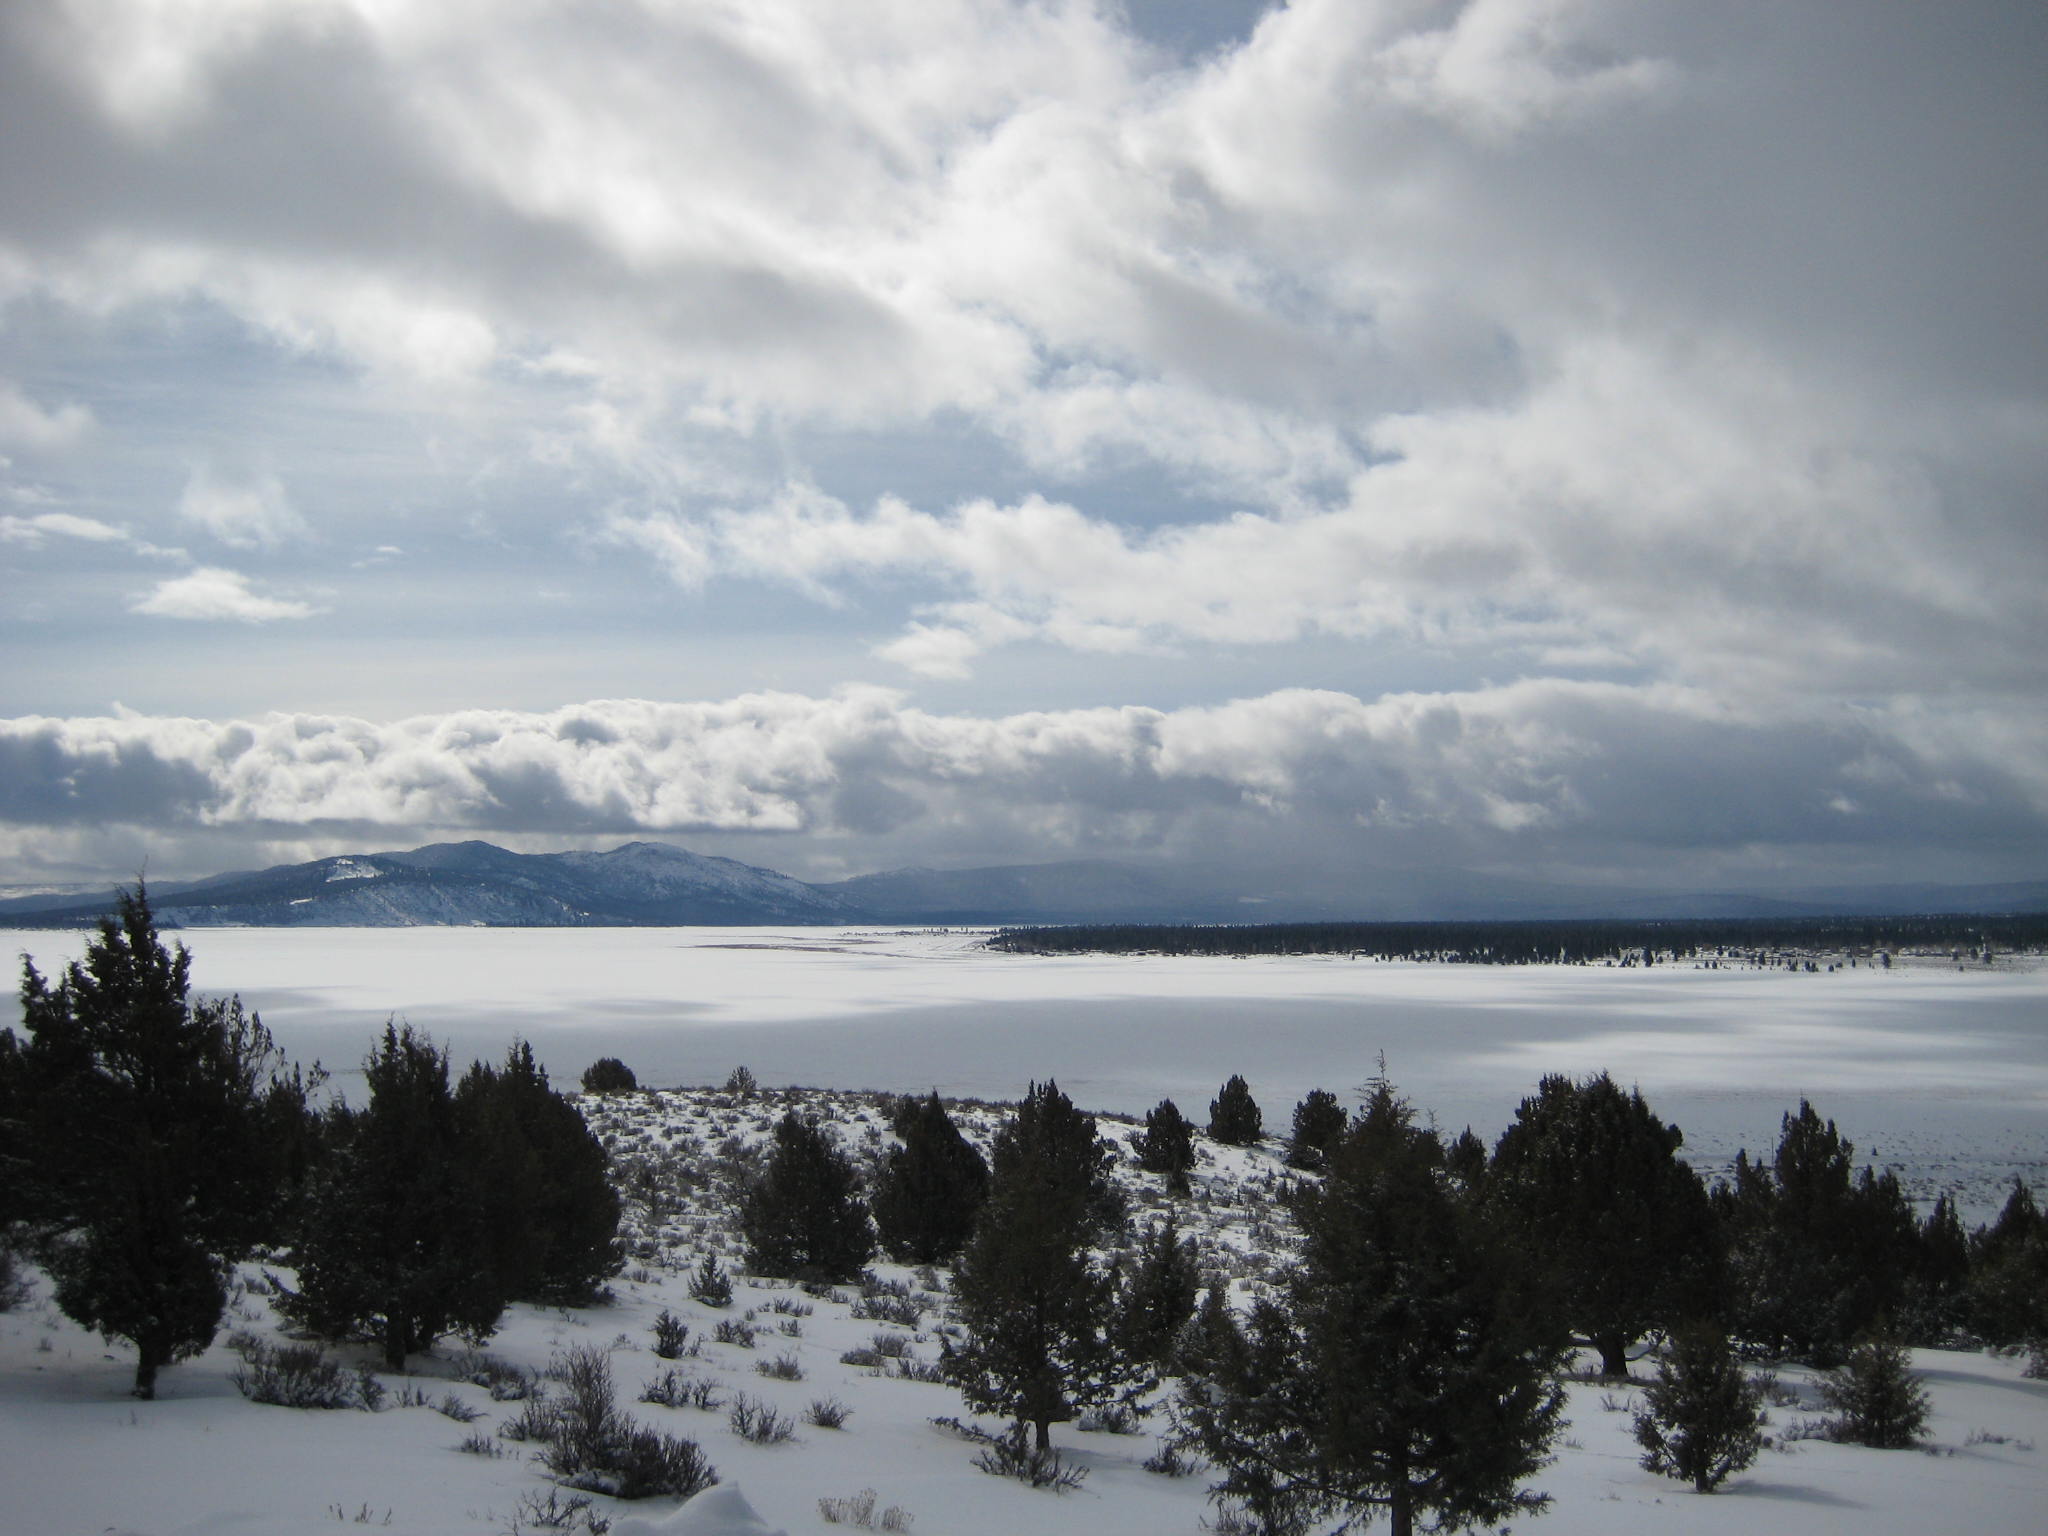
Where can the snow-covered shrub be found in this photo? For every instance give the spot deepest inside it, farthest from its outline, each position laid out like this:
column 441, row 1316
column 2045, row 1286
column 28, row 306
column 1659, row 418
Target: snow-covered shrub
column 302, row 1376
column 1012, row 1455
column 827, row 1413
column 784, row 1367
column 592, row 1445
column 760, row 1423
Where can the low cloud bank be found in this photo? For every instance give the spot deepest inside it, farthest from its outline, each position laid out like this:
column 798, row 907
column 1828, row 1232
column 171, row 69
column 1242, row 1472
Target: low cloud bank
column 1535, row 776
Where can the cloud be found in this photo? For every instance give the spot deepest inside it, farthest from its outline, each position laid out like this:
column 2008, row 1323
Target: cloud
column 32, row 531
column 1568, row 775
column 29, row 425
column 211, row 593
column 242, row 514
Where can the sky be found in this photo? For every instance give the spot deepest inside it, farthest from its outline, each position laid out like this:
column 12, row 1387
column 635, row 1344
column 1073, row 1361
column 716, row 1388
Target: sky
column 1597, row 441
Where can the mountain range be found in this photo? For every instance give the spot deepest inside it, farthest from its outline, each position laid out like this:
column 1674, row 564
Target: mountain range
column 656, row 884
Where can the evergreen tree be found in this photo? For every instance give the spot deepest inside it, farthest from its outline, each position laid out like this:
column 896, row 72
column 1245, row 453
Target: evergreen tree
column 1234, row 1117
column 550, row 1214
column 1817, row 1256
column 1937, row 1292
column 1037, row 1310
column 1404, row 1375
column 803, row 1218
column 1158, row 1296
column 2008, row 1284
column 136, row 1139
column 1167, row 1145
column 931, row 1188
column 1465, row 1160
column 608, row 1074
column 1588, row 1185
column 1876, row 1398
column 1211, row 1340
column 394, row 1246
column 1703, row 1416
column 1319, row 1122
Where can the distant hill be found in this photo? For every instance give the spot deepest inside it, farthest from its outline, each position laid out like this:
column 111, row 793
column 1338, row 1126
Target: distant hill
column 458, row 884
column 656, row 884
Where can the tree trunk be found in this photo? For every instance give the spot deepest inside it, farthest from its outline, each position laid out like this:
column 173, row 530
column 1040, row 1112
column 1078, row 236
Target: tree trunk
column 1613, row 1349
column 394, row 1343
column 1043, row 1426
column 1400, row 1508
column 146, row 1364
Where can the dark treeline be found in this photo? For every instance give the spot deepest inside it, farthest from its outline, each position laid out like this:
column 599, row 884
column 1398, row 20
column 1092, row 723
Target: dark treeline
column 1544, row 941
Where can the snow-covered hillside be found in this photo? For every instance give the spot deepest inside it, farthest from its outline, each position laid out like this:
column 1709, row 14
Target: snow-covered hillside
column 77, row 1455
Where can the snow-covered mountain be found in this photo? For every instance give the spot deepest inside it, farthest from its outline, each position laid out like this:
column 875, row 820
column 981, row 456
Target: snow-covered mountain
column 453, row 884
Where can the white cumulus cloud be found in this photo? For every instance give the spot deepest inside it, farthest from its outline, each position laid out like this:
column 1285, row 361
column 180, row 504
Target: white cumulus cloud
column 214, row 593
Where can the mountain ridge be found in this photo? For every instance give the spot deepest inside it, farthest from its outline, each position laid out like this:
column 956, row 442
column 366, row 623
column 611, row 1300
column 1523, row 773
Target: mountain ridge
column 651, row 884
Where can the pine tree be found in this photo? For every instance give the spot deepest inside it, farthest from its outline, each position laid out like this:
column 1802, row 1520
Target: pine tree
column 1167, row 1145
column 1703, row 1416
column 550, row 1214
column 803, row 1218
column 1234, row 1117
column 1588, row 1184
column 1403, row 1376
column 1877, row 1399
column 137, row 1143
column 394, row 1247
column 1319, row 1122
column 1158, row 1296
column 931, row 1188
column 1037, row 1310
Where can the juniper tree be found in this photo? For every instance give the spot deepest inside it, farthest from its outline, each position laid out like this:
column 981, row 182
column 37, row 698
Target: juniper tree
column 1158, row 1295
column 1877, row 1399
column 608, row 1074
column 1589, row 1187
column 931, row 1187
column 550, row 1214
column 1817, row 1256
column 1234, row 1117
column 1703, row 1416
column 1404, row 1375
column 394, row 1246
column 137, row 1142
column 1319, row 1122
column 803, row 1217
column 1038, row 1310
column 1167, row 1145
column 2008, row 1285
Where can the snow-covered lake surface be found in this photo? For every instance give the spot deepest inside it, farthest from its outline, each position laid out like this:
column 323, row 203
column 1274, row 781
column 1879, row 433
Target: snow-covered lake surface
column 1940, row 1072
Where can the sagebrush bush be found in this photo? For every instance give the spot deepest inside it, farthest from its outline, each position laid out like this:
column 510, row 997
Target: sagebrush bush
column 302, row 1376
column 590, row 1444
column 760, row 1423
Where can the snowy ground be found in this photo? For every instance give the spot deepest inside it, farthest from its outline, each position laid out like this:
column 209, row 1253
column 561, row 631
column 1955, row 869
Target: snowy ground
column 77, row 1456
column 1939, row 1071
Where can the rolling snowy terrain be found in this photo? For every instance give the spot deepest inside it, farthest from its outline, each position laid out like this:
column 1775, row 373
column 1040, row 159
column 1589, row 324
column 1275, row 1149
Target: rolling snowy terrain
column 77, row 1455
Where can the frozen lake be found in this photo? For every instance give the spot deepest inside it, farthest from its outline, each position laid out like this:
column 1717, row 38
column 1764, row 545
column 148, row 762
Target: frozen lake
column 1942, row 1073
